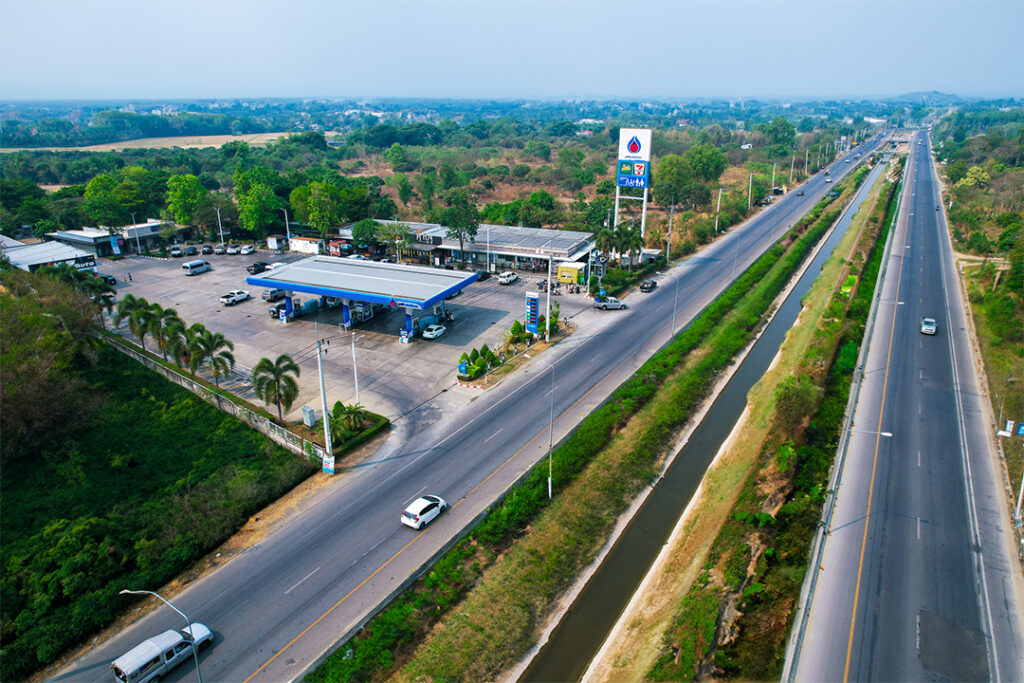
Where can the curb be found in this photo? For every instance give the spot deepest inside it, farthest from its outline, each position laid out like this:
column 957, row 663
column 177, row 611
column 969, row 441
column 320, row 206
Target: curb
column 472, row 386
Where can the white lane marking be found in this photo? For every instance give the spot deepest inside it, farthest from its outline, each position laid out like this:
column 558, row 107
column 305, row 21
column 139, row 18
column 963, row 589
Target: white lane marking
column 919, row 528
column 919, row 458
column 494, row 434
column 551, row 392
column 918, row 408
column 301, row 580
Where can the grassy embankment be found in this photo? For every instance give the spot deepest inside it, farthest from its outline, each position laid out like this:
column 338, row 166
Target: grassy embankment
column 734, row 619
column 131, row 498
column 515, row 576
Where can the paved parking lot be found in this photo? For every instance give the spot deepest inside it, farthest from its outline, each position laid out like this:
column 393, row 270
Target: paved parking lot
column 394, row 378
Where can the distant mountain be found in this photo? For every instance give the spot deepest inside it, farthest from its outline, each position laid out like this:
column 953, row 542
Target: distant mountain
column 933, row 98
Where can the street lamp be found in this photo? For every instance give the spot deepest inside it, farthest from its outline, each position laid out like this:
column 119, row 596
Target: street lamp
column 191, row 633
column 287, row 228
column 355, row 369
column 551, row 419
column 138, row 249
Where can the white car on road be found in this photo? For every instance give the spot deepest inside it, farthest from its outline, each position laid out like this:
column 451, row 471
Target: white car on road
column 422, row 511
column 929, row 326
column 234, row 296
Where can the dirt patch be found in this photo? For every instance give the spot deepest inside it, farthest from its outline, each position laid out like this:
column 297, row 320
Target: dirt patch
column 184, row 142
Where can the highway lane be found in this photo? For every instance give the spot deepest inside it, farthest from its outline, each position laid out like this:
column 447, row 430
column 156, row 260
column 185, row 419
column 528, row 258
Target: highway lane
column 916, row 578
column 279, row 606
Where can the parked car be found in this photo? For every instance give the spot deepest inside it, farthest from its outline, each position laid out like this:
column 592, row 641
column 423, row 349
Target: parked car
column 423, row 511
column 434, row 331
column 234, row 296
column 275, row 310
column 929, row 326
column 648, row 285
column 191, row 251
column 109, row 279
column 207, row 249
column 220, row 249
column 154, row 657
column 482, row 275
column 247, row 249
column 609, row 302
column 356, row 257
column 274, row 294
column 233, row 249
column 176, row 252
column 257, row 267
column 507, row 278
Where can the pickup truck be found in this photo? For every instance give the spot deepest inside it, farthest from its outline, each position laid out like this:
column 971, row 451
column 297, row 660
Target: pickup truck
column 234, row 296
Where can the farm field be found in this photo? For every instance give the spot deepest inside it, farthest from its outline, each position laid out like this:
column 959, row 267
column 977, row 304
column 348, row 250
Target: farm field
column 184, row 142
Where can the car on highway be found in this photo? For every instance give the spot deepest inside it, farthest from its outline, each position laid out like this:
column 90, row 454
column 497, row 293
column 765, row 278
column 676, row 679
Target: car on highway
column 929, row 326
column 609, row 302
column 507, row 278
column 434, row 331
column 234, row 296
column 648, row 285
column 246, row 250
column 176, row 252
column 220, row 249
column 233, row 249
column 827, row 179
column 154, row 657
column 799, row 193
column 423, row 511
column 274, row 294
column 257, row 267
column 207, row 249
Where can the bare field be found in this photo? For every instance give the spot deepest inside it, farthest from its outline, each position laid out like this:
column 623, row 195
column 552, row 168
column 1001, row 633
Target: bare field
column 187, row 141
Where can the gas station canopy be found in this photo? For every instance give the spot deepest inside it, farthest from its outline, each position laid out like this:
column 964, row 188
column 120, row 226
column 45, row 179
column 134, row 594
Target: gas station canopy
column 390, row 284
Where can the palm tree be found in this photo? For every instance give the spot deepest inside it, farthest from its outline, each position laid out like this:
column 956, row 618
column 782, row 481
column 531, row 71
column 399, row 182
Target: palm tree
column 216, row 349
column 138, row 312
column 183, row 343
column 159, row 324
column 274, row 383
column 353, row 417
column 631, row 241
column 101, row 294
column 605, row 240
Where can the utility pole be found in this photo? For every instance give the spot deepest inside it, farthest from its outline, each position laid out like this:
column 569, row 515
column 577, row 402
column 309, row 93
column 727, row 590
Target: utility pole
column 547, row 318
column 138, row 249
column 771, row 190
column 355, row 369
column 323, row 396
column 717, row 210
column 287, row 227
column 750, row 188
column 791, row 164
column 806, row 154
column 671, row 213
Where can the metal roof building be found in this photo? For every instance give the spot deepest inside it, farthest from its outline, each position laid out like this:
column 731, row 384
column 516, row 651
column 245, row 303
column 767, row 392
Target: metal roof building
column 32, row 257
column 351, row 280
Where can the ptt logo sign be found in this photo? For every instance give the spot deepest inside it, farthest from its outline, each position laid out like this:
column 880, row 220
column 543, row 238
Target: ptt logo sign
column 635, row 144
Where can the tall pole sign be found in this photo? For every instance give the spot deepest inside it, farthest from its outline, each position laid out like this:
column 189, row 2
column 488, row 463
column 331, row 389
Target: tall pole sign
column 634, row 168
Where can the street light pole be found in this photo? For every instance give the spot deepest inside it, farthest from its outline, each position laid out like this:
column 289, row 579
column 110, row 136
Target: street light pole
column 551, row 421
column 195, row 654
column 323, row 395
column 220, row 227
column 355, row 370
column 287, row 228
column 138, row 249
column 547, row 318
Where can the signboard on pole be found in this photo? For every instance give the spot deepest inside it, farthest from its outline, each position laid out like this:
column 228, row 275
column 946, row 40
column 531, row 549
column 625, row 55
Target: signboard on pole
column 634, row 157
column 329, row 464
column 532, row 312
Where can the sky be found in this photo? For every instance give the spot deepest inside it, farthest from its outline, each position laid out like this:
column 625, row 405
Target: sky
column 511, row 49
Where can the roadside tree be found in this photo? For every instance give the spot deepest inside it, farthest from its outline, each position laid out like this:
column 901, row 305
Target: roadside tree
column 184, row 193
column 461, row 218
column 274, row 382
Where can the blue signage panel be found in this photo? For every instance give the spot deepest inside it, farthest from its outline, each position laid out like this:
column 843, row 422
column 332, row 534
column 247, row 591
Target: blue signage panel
column 633, row 173
column 1020, row 429
column 532, row 312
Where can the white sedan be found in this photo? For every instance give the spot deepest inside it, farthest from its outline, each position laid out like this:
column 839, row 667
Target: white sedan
column 246, row 249
column 423, row 511
column 434, row 331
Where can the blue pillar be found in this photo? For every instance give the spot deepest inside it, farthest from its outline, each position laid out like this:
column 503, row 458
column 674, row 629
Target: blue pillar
column 346, row 314
column 288, row 308
column 408, row 320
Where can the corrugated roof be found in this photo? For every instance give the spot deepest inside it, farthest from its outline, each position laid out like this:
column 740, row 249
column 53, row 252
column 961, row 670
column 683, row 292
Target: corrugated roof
column 44, row 252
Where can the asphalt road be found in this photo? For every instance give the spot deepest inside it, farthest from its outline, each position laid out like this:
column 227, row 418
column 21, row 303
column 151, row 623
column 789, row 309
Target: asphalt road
column 278, row 607
column 916, row 580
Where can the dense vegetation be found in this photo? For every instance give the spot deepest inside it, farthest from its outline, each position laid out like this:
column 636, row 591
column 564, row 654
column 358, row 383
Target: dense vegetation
column 94, row 500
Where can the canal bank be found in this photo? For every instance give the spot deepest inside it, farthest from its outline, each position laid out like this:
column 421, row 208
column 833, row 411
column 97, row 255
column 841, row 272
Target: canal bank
column 601, row 596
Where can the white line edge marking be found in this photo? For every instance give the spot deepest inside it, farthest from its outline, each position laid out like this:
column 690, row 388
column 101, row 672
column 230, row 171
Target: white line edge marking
column 494, row 434
column 301, row 580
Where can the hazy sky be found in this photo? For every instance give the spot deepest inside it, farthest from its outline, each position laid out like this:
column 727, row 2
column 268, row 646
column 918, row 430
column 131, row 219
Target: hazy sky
column 103, row 49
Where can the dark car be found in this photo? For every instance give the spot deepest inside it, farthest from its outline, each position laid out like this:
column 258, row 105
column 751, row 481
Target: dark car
column 109, row 279
column 207, row 249
column 648, row 285
column 482, row 275
column 257, row 267
column 191, row 251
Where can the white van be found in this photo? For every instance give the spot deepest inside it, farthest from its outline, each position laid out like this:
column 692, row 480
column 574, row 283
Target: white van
column 154, row 657
column 195, row 267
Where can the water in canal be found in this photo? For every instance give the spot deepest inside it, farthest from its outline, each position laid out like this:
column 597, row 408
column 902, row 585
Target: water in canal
column 579, row 635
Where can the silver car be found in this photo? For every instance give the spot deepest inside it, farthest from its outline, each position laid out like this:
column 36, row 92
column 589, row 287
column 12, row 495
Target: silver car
column 929, row 326
column 609, row 302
